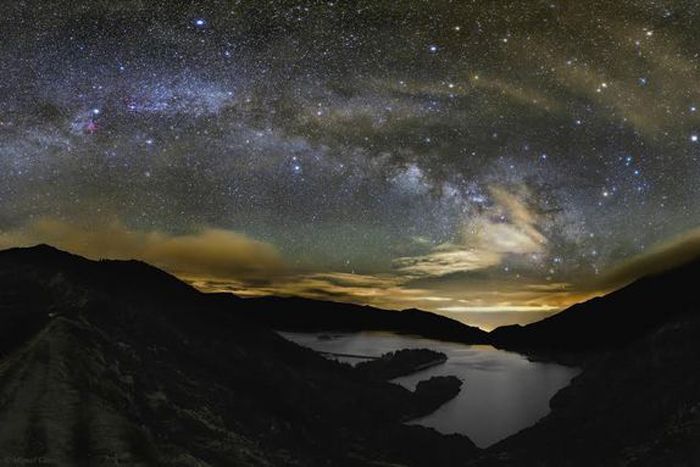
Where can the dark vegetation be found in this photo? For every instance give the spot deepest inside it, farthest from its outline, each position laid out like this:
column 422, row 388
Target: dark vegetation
column 119, row 362
column 637, row 402
column 438, row 388
column 636, row 406
column 401, row 362
column 572, row 336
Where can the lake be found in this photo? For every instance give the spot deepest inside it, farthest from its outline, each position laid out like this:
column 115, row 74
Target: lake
column 503, row 392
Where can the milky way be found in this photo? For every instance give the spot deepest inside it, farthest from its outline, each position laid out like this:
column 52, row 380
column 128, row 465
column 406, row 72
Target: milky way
column 465, row 157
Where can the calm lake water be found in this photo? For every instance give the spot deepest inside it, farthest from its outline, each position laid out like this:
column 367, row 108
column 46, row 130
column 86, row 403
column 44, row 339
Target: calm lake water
column 502, row 392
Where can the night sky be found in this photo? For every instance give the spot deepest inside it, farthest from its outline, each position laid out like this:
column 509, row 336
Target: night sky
column 490, row 160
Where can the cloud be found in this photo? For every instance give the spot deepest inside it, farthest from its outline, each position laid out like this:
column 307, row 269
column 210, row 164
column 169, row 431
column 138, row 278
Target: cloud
column 446, row 259
column 623, row 98
column 210, row 252
column 376, row 290
column 497, row 308
column 659, row 258
column 517, row 92
column 509, row 228
column 227, row 261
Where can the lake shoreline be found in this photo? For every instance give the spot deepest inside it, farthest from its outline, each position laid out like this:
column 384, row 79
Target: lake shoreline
column 503, row 390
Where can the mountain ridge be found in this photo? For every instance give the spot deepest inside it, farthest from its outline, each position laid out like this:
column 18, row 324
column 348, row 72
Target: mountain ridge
column 612, row 320
column 307, row 315
column 122, row 362
column 594, row 325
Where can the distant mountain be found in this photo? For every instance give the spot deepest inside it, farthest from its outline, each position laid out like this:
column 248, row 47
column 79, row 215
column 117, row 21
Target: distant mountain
column 602, row 323
column 118, row 362
column 611, row 321
column 300, row 314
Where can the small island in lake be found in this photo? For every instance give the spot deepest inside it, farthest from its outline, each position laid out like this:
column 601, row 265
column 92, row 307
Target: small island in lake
column 438, row 389
column 430, row 393
column 401, row 363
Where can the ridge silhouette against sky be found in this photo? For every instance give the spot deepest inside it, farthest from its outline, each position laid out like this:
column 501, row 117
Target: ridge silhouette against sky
column 459, row 157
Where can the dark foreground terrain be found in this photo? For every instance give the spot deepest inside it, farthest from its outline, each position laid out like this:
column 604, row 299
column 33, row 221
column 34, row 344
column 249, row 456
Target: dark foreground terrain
column 118, row 362
column 637, row 402
column 638, row 406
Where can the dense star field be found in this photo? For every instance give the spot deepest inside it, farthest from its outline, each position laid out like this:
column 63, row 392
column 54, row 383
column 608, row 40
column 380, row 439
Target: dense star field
column 493, row 161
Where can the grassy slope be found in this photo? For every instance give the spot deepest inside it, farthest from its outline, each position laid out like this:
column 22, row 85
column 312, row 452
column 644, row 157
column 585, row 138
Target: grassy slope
column 135, row 366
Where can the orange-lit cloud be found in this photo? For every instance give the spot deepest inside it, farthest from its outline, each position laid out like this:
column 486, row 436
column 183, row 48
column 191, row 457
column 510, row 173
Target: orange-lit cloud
column 211, row 252
column 485, row 240
column 227, row 261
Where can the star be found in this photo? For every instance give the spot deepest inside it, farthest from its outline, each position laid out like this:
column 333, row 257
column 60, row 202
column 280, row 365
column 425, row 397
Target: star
column 457, row 132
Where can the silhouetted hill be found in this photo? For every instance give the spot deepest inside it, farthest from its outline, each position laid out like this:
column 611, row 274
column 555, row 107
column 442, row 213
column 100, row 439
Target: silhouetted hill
column 611, row 321
column 118, row 362
column 305, row 315
column 636, row 406
column 638, row 402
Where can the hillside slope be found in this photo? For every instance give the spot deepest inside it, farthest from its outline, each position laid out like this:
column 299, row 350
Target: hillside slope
column 611, row 321
column 638, row 406
column 115, row 361
column 637, row 403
